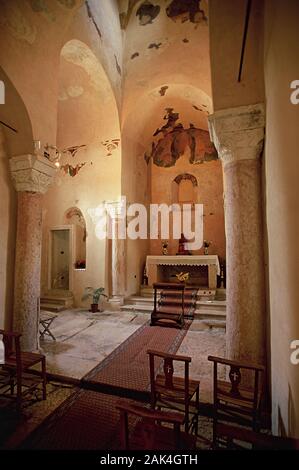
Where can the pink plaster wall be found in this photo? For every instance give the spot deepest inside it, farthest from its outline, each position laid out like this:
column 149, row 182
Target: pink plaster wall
column 210, row 194
column 281, row 171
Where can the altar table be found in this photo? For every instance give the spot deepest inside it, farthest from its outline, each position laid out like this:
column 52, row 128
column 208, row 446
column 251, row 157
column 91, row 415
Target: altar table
column 211, row 261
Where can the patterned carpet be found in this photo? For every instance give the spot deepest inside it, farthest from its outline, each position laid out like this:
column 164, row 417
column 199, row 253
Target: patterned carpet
column 88, row 419
column 127, row 367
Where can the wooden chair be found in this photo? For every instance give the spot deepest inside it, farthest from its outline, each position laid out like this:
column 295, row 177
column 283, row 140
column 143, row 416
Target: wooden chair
column 235, row 436
column 234, row 401
column 148, row 432
column 169, row 391
column 17, row 365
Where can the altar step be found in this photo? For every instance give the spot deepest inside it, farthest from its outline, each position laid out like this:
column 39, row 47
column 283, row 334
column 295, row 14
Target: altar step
column 211, row 313
column 203, row 293
column 56, row 301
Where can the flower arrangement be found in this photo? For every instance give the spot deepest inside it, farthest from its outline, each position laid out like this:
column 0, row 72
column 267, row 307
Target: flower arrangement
column 183, row 277
column 206, row 245
column 165, row 248
column 80, row 264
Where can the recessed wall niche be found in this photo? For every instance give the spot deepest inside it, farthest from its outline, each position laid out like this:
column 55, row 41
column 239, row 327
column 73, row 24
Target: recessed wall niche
column 74, row 217
column 185, row 189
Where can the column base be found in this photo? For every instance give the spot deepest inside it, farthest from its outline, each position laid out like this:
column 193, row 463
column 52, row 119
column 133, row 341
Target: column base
column 116, row 301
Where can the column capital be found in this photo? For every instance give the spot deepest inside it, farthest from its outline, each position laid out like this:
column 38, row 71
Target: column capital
column 32, row 173
column 238, row 133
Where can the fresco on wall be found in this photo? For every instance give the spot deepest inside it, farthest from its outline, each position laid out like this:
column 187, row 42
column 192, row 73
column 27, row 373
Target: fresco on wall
column 118, row 68
column 186, row 10
column 186, row 176
column 110, row 145
column 72, row 170
column 69, row 3
column 136, row 54
column 17, row 24
column 92, row 18
column 73, row 150
column 163, row 89
column 165, row 150
column 147, row 12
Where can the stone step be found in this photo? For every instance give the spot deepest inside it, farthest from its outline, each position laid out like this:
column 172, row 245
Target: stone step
column 52, row 307
column 136, row 308
column 53, row 300
column 138, row 299
column 217, row 315
column 211, row 323
column 201, row 305
column 56, row 298
column 210, row 314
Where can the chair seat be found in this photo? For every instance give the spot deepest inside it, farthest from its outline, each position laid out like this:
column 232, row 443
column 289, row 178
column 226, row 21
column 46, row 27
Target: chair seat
column 18, row 365
column 158, row 438
column 178, row 390
column 244, row 400
column 28, row 359
column 4, row 377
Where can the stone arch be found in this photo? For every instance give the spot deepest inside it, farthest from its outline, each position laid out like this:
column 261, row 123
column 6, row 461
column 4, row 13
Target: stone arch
column 15, row 139
column 185, row 189
column 186, row 176
column 73, row 216
column 87, row 110
column 15, row 120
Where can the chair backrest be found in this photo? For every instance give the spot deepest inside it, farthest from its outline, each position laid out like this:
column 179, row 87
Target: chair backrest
column 11, row 340
column 150, row 436
column 237, row 371
column 168, row 361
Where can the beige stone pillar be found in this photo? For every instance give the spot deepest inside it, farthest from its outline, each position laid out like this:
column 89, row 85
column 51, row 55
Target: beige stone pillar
column 116, row 212
column 238, row 134
column 31, row 175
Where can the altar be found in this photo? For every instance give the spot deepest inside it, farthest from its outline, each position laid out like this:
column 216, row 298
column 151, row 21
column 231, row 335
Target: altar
column 154, row 274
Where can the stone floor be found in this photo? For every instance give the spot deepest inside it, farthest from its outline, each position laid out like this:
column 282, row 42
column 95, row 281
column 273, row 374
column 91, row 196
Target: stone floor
column 84, row 339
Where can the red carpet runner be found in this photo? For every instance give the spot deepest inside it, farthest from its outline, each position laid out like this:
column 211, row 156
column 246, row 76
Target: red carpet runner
column 88, row 419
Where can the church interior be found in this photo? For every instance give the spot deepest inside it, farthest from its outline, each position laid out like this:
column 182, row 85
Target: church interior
column 112, row 108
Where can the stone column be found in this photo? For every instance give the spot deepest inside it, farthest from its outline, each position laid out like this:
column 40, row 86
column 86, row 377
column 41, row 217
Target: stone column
column 238, row 134
column 116, row 211
column 31, row 175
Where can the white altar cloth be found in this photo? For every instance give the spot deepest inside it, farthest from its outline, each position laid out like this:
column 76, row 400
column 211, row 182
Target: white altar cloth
column 211, row 261
column 183, row 260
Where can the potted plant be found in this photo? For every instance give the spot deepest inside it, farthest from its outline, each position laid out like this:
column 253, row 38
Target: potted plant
column 95, row 294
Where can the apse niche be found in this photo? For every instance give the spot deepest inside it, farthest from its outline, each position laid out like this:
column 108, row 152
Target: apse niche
column 75, row 218
column 185, row 189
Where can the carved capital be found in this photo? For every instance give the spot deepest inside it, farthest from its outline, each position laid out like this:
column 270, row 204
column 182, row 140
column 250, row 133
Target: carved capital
column 31, row 173
column 238, row 133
